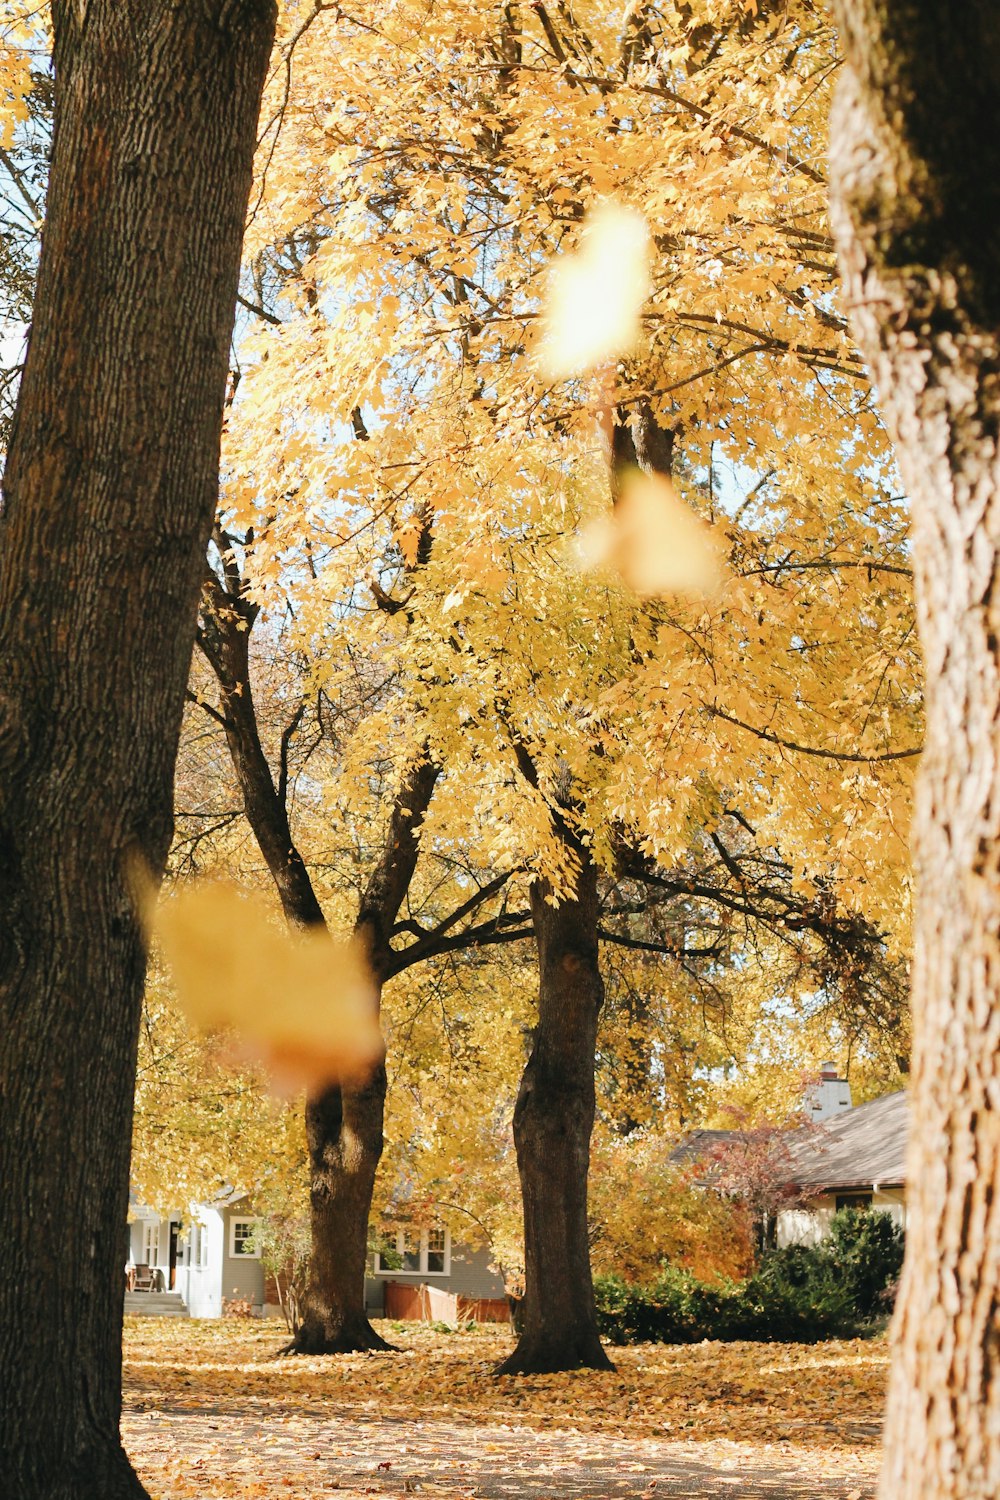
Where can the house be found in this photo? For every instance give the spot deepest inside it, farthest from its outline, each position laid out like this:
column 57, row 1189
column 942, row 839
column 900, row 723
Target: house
column 420, row 1272
column 199, row 1260
column 843, row 1157
column 202, row 1260
column 855, row 1159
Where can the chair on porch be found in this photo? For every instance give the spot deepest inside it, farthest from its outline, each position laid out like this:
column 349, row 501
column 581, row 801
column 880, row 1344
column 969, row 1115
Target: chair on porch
column 146, row 1279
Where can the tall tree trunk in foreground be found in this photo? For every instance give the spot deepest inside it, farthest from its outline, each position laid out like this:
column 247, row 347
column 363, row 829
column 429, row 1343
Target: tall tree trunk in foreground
column 109, row 493
column 343, row 1123
column 916, row 163
column 553, row 1120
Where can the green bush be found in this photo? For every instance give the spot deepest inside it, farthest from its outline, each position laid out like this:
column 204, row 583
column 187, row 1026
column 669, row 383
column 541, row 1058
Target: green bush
column 674, row 1309
column 799, row 1294
column 867, row 1249
column 796, row 1297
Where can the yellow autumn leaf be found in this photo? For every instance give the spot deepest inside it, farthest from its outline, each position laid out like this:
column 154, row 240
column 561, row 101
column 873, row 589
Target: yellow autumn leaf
column 596, row 296
column 303, row 1004
column 653, row 540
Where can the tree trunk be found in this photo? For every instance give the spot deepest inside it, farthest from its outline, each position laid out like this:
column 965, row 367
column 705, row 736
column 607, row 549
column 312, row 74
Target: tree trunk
column 344, row 1132
column 344, row 1126
column 916, row 165
column 343, row 1123
column 553, row 1120
column 109, row 493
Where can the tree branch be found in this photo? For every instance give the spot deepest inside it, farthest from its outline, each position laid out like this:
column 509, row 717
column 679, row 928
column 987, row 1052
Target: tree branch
column 775, row 739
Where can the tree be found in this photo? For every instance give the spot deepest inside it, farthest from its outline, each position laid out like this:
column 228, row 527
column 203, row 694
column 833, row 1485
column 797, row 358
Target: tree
column 553, row 1121
column 915, row 156
column 109, row 492
column 344, row 1122
column 411, row 320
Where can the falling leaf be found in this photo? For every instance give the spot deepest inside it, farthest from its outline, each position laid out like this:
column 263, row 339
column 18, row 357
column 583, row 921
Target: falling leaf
column 302, row 1003
column 654, row 540
column 596, row 296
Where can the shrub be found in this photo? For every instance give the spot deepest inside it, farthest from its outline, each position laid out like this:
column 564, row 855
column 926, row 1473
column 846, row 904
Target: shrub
column 237, row 1306
column 674, row 1309
column 796, row 1297
column 867, row 1249
column 644, row 1211
column 800, row 1294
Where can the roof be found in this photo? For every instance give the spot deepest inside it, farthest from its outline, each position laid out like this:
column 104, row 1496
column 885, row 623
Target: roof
column 856, row 1149
column 700, row 1143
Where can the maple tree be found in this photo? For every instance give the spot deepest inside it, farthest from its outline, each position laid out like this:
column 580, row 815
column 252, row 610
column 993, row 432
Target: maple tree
column 916, row 212
column 109, row 488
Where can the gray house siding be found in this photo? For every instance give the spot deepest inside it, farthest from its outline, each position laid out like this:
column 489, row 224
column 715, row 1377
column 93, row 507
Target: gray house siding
column 470, row 1275
column 242, row 1275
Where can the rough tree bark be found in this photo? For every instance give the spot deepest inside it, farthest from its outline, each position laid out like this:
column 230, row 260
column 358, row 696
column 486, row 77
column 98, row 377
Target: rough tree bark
column 554, row 1112
column 343, row 1123
column 109, row 493
column 916, row 187
column 553, row 1120
column 344, row 1126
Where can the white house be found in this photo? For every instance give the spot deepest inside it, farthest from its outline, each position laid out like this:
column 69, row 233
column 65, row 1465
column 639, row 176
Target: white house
column 190, row 1265
column 196, row 1260
column 844, row 1157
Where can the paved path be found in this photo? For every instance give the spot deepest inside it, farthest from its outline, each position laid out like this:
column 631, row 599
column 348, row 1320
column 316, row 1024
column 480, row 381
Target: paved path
column 257, row 1449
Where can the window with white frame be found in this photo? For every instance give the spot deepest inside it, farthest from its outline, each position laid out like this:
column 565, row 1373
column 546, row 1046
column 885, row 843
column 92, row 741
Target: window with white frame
column 198, row 1246
column 151, row 1242
column 412, row 1251
column 244, row 1239
column 437, row 1250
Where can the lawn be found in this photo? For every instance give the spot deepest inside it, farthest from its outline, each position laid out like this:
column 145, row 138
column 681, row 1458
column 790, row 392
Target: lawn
column 209, row 1411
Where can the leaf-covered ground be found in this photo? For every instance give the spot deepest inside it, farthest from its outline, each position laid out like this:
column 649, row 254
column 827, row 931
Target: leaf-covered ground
column 210, row 1412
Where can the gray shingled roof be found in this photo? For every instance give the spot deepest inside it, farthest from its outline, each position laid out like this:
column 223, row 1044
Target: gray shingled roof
column 699, row 1144
column 855, row 1149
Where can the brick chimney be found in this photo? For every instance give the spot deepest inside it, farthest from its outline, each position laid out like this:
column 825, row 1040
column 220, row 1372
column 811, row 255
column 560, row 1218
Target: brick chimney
column 831, row 1096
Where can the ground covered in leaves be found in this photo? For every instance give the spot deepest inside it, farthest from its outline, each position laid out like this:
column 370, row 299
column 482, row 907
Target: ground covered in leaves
column 210, row 1412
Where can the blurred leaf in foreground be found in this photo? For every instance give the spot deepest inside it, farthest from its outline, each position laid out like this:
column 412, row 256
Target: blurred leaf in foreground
column 301, row 1003
column 653, row 540
column 596, row 295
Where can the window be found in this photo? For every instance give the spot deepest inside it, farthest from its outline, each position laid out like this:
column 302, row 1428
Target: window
column 436, row 1244
column 151, row 1242
column 416, row 1252
column 243, row 1238
column 854, row 1200
column 198, row 1246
